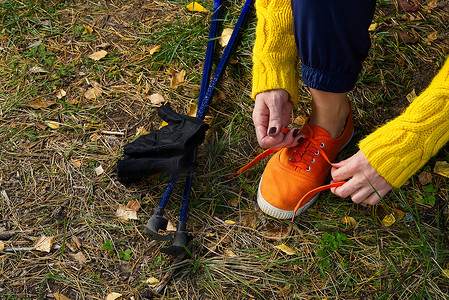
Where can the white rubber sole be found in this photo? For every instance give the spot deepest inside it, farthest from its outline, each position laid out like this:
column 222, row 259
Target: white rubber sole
column 280, row 213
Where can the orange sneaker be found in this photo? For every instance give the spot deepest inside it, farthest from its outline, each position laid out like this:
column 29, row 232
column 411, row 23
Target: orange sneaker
column 292, row 172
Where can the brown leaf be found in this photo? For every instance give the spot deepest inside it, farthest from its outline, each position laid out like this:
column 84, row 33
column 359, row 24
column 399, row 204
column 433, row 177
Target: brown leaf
column 407, row 6
column 93, row 93
column 411, row 96
column 61, row 94
column 425, row 177
column 431, row 36
column 76, row 163
column 79, row 257
column 432, row 4
column 41, row 103
column 156, row 99
column 407, row 39
column 229, row 253
column 113, row 296
column 95, row 137
column 133, row 205
column 277, row 233
column 59, row 296
column 44, row 243
column 155, row 49
column 398, row 214
column 300, row 120
column 77, row 242
column 250, row 220
column 2, row 246
column 98, row 55
column 177, row 79
column 37, row 70
column 126, row 214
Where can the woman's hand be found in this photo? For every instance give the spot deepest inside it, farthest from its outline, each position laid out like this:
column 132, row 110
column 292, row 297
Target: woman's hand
column 362, row 178
column 272, row 111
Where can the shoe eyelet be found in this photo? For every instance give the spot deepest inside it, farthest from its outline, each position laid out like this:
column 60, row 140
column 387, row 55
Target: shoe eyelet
column 317, row 152
column 322, row 145
column 308, row 169
column 292, row 160
column 294, row 151
column 313, row 160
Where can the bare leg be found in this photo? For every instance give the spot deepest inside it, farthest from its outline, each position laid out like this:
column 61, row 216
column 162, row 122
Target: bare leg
column 329, row 111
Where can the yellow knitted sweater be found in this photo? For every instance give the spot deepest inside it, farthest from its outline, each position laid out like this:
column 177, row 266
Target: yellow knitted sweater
column 401, row 147
column 275, row 58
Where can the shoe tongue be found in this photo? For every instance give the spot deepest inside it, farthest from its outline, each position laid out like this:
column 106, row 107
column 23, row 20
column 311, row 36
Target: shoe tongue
column 318, row 131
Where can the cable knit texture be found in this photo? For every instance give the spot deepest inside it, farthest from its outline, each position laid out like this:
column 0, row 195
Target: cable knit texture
column 401, row 147
column 275, row 56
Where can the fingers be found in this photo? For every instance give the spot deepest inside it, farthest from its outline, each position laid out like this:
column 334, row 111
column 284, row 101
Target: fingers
column 281, row 140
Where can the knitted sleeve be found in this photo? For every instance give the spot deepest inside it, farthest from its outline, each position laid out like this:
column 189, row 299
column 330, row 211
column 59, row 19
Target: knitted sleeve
column 401, row 147
column 275, row 63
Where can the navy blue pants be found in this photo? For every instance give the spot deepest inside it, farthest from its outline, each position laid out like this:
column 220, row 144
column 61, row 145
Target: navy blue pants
column 332, row 40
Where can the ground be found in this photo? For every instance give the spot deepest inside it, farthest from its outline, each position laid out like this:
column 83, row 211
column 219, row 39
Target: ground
column 65, row 116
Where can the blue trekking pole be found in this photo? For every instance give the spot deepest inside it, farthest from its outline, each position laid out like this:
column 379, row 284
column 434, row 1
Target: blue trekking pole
column 181, row 237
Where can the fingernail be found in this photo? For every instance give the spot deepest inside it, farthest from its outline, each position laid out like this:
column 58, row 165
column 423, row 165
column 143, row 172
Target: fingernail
column 295, row 132
column 272, row 131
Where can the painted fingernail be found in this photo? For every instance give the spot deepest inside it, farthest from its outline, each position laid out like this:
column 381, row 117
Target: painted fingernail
column 272, row 131
column 295, row 132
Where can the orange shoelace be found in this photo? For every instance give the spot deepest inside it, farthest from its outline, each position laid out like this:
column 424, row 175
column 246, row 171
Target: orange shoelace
column 297, row 162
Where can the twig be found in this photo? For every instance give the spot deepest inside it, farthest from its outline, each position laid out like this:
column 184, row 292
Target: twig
column 169, row 274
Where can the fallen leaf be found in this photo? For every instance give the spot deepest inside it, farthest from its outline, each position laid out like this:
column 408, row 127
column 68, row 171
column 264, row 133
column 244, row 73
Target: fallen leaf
column 93, row 93
column 103, row 45
column 98, row 55
column 156, row 99
column 171, row 227
column 155, row 49
column 398, row 214
column 406, row 6
column 141, row 131
column 229, row 253
column 230, row 222
column 2, row 246
column 126, row 214
column 37, row 69
column 193, row 107
column 234, row 202
column 99, row 170
column 300, row 120
column 277, row 233
column 349, row 221
column 41, row 103
column 250, row 220
column 113, row 296
column 152, row 281
column 225, row 36
column 89, row 29
column 133, row 205
column 441, row 168
column 406, row 38
column 95, row 137
column 177, row 79
column 195, row 6
column 286, row 249
column 431, row 36
column 79, row 257
column 388, row 220
column 61, row 94
column 59, row 296
column 372, row 27
column 411, row 96
column 432, row 4
column 76, row 163
column 52, row 125
column 445, row 272
column 425, row 178
column 44, row 243
column 77, row 242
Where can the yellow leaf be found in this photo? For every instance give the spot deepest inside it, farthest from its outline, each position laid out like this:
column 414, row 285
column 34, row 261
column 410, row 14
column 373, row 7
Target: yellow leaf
column 445, row 272
column 388, row 220
column 113, row 296
column 195, row 6
column 230, row 222
column 88, row 29
column 286, row 249
column 349, row 221
column 229, row 253
column 155, row 49
column 372, row 27
column 44, row 243
column 126, row 214
column 441, row 168
column 152, row 281
column 192, row 109
column 52, row 125
column 98, row 55
column 141, row 131
column 411, row 96
column 177, row 79
column 225, row 37
column 41, row 103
